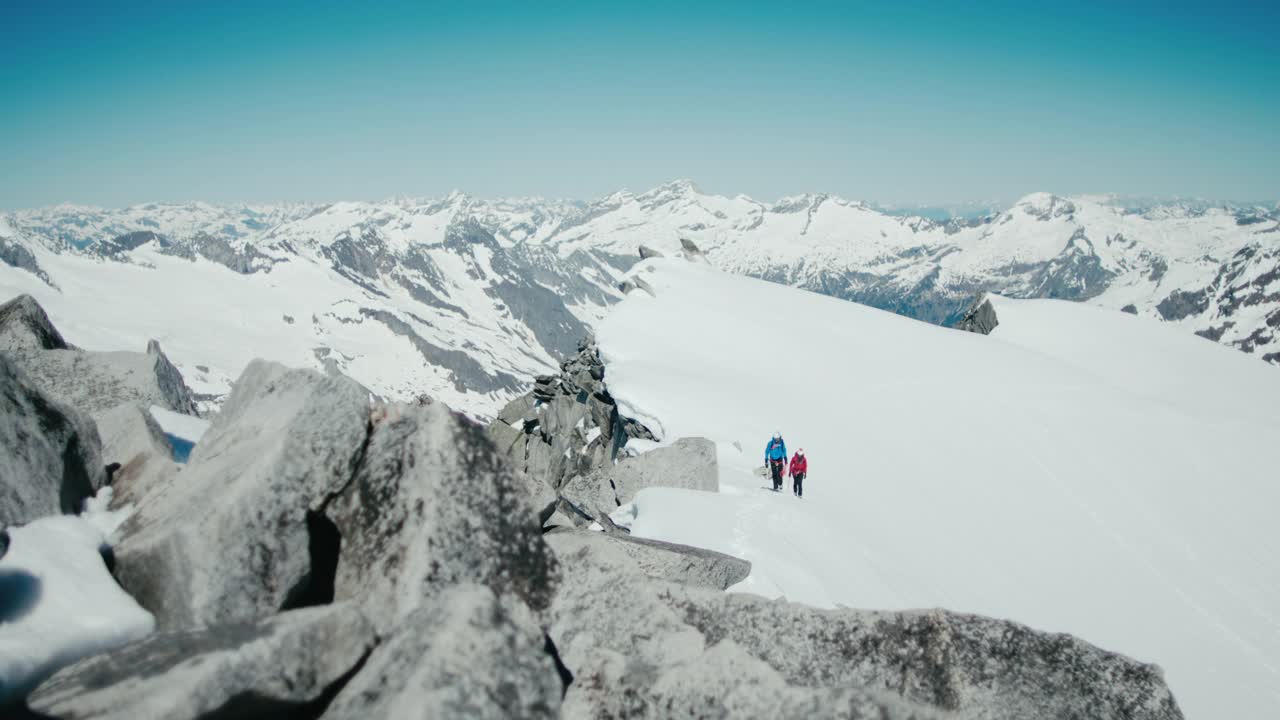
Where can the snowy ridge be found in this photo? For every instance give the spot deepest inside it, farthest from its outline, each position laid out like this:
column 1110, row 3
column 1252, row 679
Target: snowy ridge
column 464, row 298
column 1078, row 470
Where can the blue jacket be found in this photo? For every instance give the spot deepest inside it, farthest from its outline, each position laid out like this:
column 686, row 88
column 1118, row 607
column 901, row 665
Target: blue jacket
column 775, row 450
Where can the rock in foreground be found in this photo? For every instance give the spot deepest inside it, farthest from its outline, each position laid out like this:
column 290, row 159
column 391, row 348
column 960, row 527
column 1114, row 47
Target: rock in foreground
column 50, row 457
column 24, row 325
column 467, row 654
column 239, row 533
column 287, row 666
column 432, row 505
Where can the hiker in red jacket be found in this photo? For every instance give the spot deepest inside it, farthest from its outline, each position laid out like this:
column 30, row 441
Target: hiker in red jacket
column 799, row 468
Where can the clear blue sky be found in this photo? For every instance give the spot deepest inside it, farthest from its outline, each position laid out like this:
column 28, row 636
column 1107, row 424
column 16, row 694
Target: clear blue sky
column 117, row 103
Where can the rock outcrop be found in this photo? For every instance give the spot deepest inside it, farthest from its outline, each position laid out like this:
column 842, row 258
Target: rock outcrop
column 659, row 560
column 50, row 454
column 432, row 505
column 468, row 654
column 139, row 457
column 644, row 648
column 290, row 665
column 96, row 382
column 92, row 382
column 24, row 325
column 979, row 318
column 238, row 534
column 568, row 425
column 688, row 463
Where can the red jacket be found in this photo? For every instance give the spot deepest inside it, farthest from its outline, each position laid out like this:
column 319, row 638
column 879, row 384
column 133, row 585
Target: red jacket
column 799, row 464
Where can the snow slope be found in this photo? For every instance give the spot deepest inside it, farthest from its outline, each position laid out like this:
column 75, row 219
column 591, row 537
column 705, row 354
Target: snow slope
column 58, row 602
column 1079, row 470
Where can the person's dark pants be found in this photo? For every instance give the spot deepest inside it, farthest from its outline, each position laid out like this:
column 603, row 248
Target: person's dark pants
column 797, row 484
column 776, row 467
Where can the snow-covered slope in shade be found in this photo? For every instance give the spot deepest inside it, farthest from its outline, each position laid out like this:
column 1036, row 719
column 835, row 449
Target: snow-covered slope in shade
column 1079, row 471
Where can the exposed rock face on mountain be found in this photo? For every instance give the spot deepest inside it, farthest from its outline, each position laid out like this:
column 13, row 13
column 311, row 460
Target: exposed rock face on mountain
column 138, row 455
column 467, row 654
column 657, row 559
column 633, row 644
column 568, row 425
column 289, row 665
column 25, row 326
column 50, row 454
column 96, row 382
column 431, row 505
column 232, row 537
column 979, row 318
column 688, row 463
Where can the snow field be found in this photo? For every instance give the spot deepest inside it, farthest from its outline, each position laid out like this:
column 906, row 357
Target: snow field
column 1034, row 475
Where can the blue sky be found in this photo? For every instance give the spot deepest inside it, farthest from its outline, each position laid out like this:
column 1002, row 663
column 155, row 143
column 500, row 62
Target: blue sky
column 902, row 102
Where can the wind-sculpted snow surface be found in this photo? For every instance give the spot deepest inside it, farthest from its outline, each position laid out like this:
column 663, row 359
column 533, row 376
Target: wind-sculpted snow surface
column 1078, row 470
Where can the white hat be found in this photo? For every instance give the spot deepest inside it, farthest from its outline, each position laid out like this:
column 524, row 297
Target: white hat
column 800, row 451
column 777, row 434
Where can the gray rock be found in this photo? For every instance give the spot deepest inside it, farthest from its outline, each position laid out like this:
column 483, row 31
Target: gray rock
column 517, row 410
column 980, row 317
column 647, row 252
column 239, row 533
column 50, row 454
column 285, row 666
column 656, row 559
column 638, row 647
column 18, row 256
column 688, row 463
column 727, row 682
column 99, row 381
column 467, row 654
column 691, row 252
column 432, row 505
column 24, row 325
column 642, row 285
column 972, row 666
column 133, row 442
column 1181, row 304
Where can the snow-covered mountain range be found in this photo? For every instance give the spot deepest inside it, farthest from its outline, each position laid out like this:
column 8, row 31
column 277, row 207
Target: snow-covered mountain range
column 464, row 299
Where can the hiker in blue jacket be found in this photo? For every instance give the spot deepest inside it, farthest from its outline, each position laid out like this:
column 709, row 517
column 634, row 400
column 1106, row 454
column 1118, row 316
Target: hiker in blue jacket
column 775, row 458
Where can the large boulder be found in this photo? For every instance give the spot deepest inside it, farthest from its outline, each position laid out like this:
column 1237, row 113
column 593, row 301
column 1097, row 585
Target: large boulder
column 24, row 325
column 289, row 665
column 96, row 382
column 467, row 654
column 980, row 317
column 138, row 455
column 638, row 647
column 657, row 559
column 240, row 532
column 50, row 456
column 973, row 666
column 688, row 463
column 431, row 505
